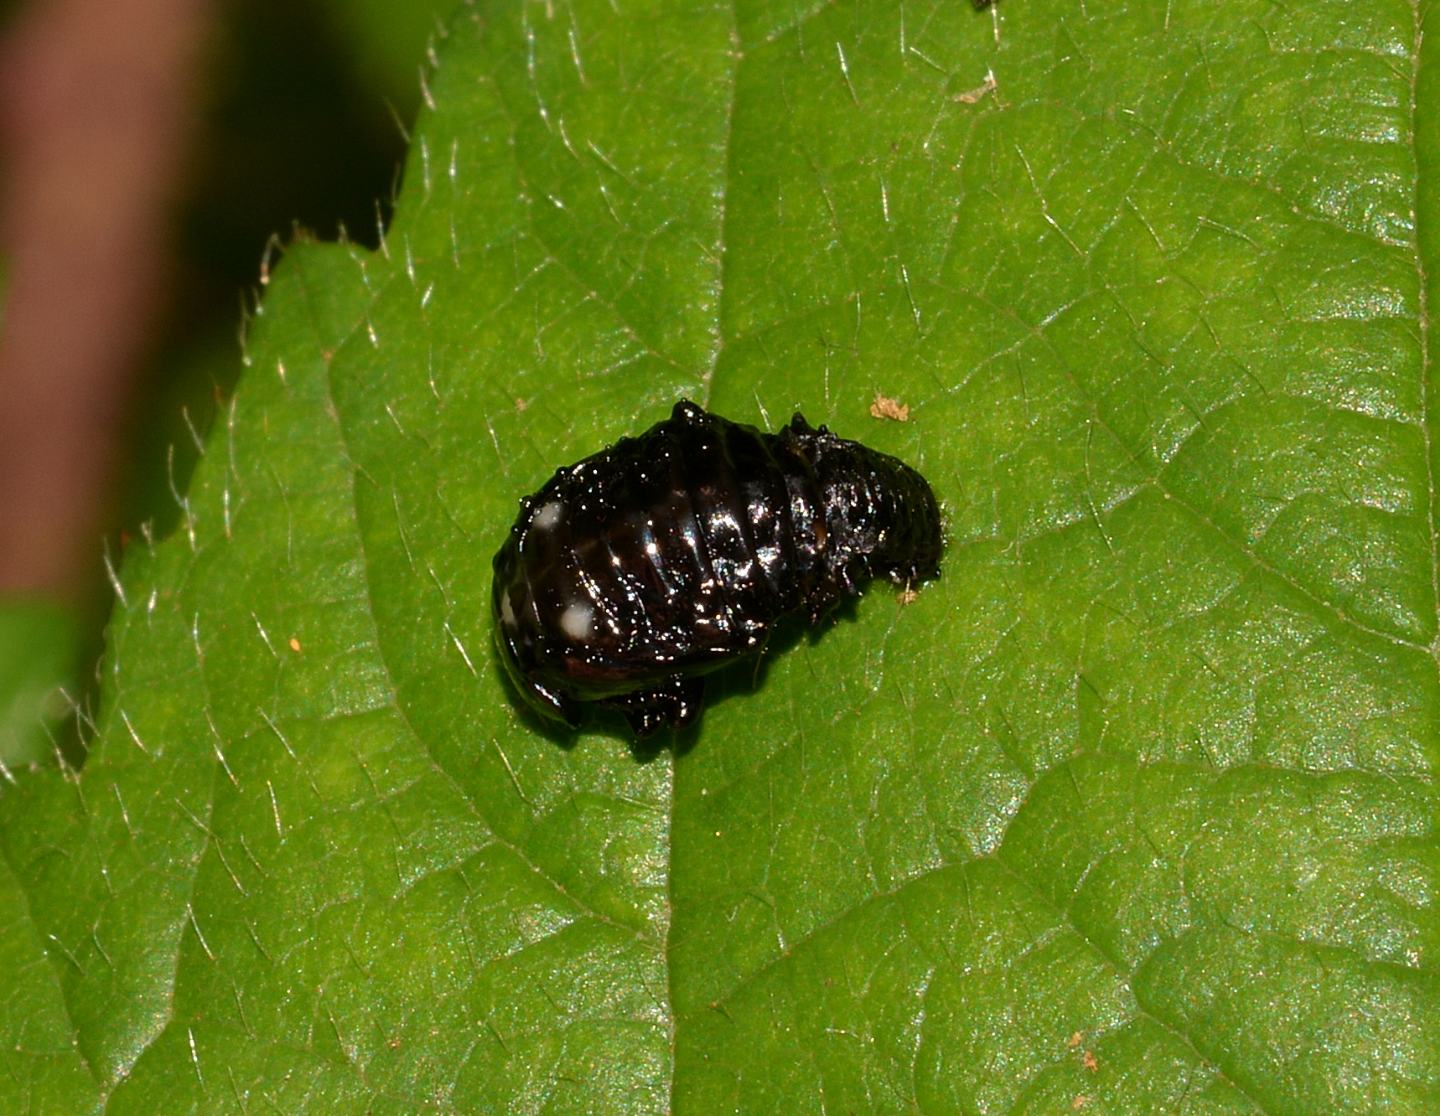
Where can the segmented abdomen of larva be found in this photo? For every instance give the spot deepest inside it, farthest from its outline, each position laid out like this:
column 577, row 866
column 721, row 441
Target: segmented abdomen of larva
column 665, row 550
column 881, row 517
column 668, row 554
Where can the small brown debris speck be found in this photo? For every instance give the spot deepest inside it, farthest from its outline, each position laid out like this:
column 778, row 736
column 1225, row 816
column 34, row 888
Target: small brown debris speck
column 520, row 406
column 909, row 595
column 1080, row 1101
column 984, row 89
column 1089, row 1061
column 294, row 644
column 1075, row 1040
column 886, row 408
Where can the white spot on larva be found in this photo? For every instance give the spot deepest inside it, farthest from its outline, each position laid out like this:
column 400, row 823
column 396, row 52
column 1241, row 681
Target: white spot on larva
column 547, row 517
column 577, row 621
column 507, row 611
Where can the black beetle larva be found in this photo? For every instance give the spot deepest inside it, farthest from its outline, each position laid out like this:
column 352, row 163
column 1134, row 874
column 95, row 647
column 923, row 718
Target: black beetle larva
column 634, row 572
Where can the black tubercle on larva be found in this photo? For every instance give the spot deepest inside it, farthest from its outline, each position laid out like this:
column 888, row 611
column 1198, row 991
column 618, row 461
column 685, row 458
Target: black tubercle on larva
column 633, row 573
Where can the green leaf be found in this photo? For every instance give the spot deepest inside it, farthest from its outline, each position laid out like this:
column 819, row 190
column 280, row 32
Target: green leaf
column 1131, row 811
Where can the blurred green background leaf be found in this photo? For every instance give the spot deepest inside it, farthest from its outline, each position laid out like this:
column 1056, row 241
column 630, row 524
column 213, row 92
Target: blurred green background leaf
column 1131, row 811
column 37, row 659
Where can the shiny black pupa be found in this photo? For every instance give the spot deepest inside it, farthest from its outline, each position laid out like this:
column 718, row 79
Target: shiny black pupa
column 633, row 573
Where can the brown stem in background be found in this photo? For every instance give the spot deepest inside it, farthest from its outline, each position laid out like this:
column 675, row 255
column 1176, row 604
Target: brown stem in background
column 95, row 105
